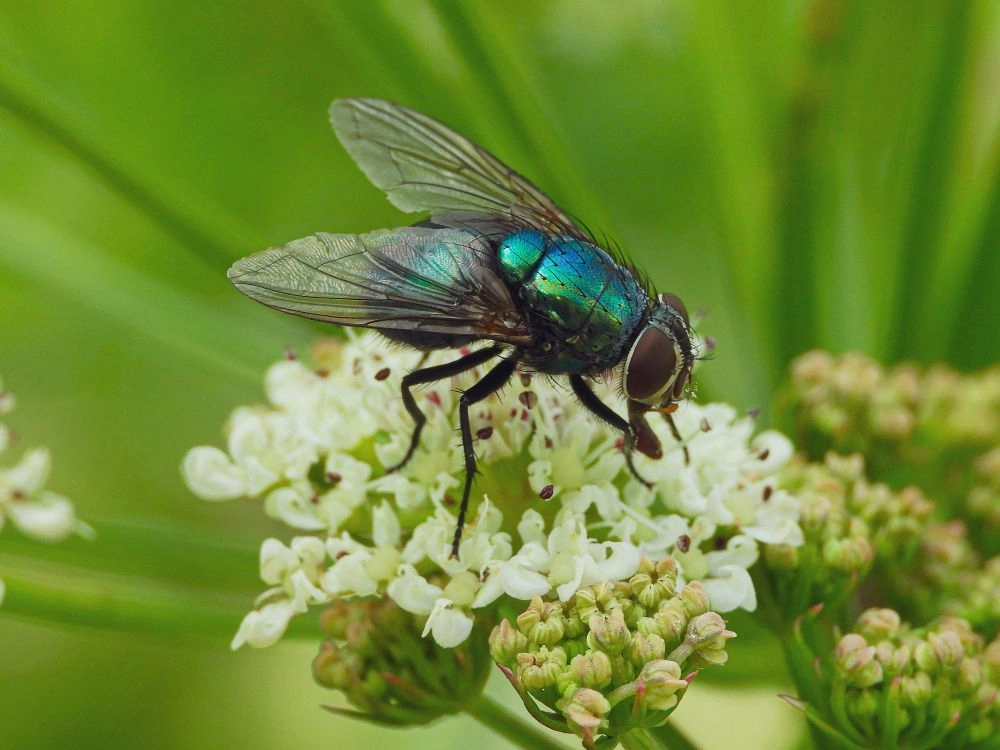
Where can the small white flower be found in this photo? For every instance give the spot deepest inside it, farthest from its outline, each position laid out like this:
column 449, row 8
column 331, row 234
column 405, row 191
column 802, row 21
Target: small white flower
column 447, row 625
column 265, row 626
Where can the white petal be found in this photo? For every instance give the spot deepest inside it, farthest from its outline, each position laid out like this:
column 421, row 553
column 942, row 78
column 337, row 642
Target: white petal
column 304, row 592
column 413, row 592
column 249, row 433
column 264, row 626
column 385, row 525
column 50, row 518
column 349, row 575
column 617, row 560
column 211, row 475
column 491, row 590
column 730, row 588
column 777, row 449
column 29, row 475
column 740, row 551
column 294, row 506
column 448, row 625
column 531, row 527
column 521, row 581
column 310, row 550
column 275, row 561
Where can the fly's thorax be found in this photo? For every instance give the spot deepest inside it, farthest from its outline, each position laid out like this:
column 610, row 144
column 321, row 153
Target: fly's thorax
column 658, row 365
column 584, row 305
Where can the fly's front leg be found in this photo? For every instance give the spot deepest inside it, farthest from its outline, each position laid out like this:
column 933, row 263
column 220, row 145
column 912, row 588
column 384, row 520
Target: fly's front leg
column 493, row 381
column 677, row 436
column 431, row 375
column 636, row 433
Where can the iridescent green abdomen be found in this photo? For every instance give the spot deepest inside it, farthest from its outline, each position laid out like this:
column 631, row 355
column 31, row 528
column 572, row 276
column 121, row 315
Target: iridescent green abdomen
column 585, row 302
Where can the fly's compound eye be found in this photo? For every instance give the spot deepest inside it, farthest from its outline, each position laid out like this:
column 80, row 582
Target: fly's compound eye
column 652, row 367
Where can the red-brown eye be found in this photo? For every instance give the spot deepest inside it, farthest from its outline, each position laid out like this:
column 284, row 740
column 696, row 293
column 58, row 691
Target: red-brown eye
column 675, row 302
column 650, row 366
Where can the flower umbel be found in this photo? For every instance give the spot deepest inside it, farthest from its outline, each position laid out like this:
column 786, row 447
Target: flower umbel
column 611, row 658
column 556, row 511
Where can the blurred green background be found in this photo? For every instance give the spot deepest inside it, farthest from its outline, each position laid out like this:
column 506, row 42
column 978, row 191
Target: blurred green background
column 807, row 173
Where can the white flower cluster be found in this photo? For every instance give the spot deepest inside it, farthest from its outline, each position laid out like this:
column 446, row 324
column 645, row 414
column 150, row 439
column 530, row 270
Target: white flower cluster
column 554, row 509
column 36, row 512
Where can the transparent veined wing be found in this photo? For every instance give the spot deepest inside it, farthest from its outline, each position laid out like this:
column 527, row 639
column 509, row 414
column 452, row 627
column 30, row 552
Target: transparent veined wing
column 440, row 281
column 423, row 165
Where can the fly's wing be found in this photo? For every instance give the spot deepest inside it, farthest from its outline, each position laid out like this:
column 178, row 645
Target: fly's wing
column 441, row 281
column 423, row 165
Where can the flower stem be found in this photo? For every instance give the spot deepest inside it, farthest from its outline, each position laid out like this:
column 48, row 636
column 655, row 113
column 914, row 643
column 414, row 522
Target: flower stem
column 491, row 714
column 670, row 735
column 666, row 737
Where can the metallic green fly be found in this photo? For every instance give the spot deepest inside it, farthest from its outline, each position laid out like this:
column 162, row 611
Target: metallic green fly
column 496, row 261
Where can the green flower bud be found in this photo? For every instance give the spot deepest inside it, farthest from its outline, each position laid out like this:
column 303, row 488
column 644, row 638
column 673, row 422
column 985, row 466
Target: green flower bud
column 591, row 670
column 542, row 622
column 594, row 599
column 863, row 704
column 848, row 555
column 662, row 679
column 970, row 675
column 540, row 669
column 695, row 599
column 917, row 690
column 608, row 632
column 877, row 624
column 654, row 582
column 856, row 662
column 782, row 556
column 671, row 622
column 645, row 648
column 506, row 642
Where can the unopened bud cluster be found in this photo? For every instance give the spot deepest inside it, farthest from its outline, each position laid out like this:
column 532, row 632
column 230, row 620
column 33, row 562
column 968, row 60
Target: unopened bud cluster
column 949, row 576
column 848, row 523
column 374, row 654
column 892, row 685
column 615, row 656
column 855, row 404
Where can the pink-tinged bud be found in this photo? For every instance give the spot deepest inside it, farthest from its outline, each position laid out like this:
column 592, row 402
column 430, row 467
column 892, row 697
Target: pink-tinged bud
column 663, row 682
column 506, row 642
column 585, row 711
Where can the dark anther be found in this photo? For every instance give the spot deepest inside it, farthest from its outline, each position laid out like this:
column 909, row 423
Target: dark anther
column 683, row 543
column 382, row 374
column 547, row 492
column 484, row 433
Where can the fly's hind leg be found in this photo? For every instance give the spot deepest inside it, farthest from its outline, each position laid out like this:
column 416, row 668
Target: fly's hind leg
column 492, row 382
column 430, row 375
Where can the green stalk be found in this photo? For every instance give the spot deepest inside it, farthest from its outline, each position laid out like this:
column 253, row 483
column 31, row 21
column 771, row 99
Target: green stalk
column 494, row 716
column 73, row 596
column 670, row 735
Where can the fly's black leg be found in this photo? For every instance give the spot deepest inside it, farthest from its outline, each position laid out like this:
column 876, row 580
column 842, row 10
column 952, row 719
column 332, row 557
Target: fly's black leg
column 606, row 414
column 492, row 382
column 430, row 375
column 677, row 436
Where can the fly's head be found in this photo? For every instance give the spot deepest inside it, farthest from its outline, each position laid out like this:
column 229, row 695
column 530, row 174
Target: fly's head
column 658, row 368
